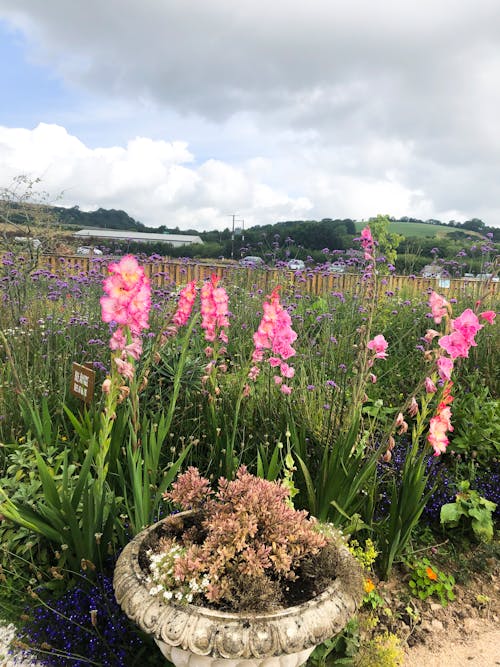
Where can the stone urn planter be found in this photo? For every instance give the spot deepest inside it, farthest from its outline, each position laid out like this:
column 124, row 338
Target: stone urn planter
column 203, row 637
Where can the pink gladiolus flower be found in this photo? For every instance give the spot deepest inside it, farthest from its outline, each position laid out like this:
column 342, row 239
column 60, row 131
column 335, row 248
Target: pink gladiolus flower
column 139, row 307
column 278, row 379
column 430, row 387
column 129, row 272
column 373, row 378
column 134, row 349
column 214, row 309
column 379, row 346
column 488, row 315
column 446, row 398
column 367, row 243
column 467, row 325
column 400, row 424
column 128, row 296
column 187, row 298
column 106, row 386
column 445, row 416
column 125, row 368
column 455, row 344
column 285, row 389
column 275, row 333
column 113, row 310
column 437, row 435
column 430, row 335
column 253, row 373
column 438, row 427
column 413, row 407
column 439, row 307
column 445, row 367
column 118, row 340
column 287, row 371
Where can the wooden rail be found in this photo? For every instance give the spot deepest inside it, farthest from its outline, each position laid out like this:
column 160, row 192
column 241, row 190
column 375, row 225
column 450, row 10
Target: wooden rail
column 177, row 272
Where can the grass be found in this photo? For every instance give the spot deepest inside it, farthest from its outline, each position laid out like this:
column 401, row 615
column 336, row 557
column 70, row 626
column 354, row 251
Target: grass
column 419, row 229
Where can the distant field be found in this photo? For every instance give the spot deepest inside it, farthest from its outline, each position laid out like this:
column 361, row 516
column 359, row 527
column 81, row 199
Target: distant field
column 418, row 229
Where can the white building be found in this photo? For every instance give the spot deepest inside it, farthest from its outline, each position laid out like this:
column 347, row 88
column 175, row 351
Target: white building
column 174, row 240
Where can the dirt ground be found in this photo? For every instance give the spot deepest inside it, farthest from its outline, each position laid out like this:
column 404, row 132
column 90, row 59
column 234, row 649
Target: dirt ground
column 479, row 646
column 465, row 632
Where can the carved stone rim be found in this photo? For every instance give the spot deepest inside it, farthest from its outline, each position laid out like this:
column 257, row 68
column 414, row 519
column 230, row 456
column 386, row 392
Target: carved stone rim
column 206, row 631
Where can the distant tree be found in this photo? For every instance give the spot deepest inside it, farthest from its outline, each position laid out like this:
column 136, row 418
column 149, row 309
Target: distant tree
column 474, row 225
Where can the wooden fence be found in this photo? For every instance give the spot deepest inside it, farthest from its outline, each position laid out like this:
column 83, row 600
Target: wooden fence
column 178, row 272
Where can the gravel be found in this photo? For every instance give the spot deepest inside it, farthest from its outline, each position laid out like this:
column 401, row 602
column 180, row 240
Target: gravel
column 9, row 659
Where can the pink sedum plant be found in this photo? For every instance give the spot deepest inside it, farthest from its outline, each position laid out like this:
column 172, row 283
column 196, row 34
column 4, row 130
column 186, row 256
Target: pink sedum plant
column 242, row 547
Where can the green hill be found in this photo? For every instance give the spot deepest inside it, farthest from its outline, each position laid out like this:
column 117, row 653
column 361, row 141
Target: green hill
column 422, row 229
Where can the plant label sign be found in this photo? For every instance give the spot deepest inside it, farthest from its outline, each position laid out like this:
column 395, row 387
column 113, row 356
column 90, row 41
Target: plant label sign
column 82, row 382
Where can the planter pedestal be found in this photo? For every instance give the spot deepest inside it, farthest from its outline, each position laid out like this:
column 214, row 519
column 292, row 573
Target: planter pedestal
column 193, row 636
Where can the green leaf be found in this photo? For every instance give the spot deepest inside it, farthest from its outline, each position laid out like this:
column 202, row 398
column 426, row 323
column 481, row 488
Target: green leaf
column 50, row 491
column 450, row 514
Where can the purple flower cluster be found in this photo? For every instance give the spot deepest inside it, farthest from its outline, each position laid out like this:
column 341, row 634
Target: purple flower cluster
column 443, row 479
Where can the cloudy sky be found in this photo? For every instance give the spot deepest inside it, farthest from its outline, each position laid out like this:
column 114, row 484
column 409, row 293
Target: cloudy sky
column 184, row 112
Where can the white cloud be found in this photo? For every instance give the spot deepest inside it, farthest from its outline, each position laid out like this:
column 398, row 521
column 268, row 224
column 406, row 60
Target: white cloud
column 274, row 110
column 152, row 180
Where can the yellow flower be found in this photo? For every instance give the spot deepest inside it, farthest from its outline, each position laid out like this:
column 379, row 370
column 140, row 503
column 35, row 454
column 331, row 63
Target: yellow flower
column 369, row 586
column 431, row 574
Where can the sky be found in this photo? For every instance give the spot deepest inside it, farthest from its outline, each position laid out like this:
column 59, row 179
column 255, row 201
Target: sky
column 186, row 112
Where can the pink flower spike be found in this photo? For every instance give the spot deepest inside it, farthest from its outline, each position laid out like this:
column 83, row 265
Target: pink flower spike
column 187, row 298
column 445, row 367
column 430, row 387
column 488, row 315
column 379, row 346
column 439, row 307
column 367, row 243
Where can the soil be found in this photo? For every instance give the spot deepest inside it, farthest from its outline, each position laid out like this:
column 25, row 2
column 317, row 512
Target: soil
column 465, row 632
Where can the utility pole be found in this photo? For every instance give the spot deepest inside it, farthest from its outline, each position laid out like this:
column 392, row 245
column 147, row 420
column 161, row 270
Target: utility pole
column 232, row 237
column 233, row 216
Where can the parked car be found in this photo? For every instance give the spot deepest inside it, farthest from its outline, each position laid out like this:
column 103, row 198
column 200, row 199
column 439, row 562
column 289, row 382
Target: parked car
column 87, row 250
column 296, row 265
column 251, row 261
column 337, row 267
column 36, row 243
